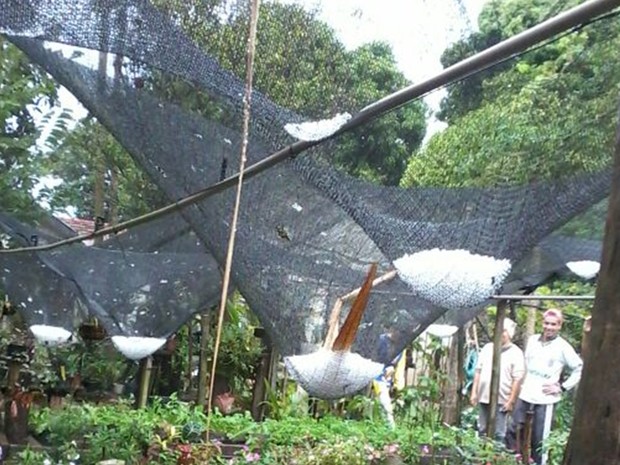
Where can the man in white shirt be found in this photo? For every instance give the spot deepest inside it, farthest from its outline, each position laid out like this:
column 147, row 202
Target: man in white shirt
column 547, row 355
column 512, row 369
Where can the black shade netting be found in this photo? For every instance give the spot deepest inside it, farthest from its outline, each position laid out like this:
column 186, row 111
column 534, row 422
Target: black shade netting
column 132, row 293
column 296, row 251
column 306, row 231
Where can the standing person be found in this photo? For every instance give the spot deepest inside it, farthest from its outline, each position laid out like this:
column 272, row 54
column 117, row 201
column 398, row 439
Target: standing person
column 382, row 384
column 547, row 355
column 512, row 369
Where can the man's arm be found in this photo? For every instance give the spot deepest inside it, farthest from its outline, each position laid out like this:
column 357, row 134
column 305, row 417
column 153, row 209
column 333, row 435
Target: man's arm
column 473, row 398
column 518, row 374
column 574, row 363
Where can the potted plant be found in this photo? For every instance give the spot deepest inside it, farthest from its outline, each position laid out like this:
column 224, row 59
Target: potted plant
column 92, row 331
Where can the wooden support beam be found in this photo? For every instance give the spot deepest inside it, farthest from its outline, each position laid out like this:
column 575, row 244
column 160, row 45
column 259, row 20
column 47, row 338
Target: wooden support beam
column 334, row 317
column 495, row 372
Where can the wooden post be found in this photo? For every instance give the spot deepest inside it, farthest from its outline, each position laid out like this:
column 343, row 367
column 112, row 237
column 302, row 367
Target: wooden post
column 526, row 450
column 450, row 403
column 203, row 368
column 13, row 373
column 264, row 376
column 461, row 336
column 190, row 354
column 146, row 365
column 585, row 337
column 495, row 372
column 530, row 325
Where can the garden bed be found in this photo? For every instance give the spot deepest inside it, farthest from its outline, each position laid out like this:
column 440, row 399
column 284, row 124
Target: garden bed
column 171, row 432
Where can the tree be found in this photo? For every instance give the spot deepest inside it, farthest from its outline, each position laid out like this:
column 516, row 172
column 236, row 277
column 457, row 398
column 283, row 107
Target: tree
column 540, row 119
column 498, row 21
column 301, row 65
column 24, row 91
column 595, row 435
column 77, row 156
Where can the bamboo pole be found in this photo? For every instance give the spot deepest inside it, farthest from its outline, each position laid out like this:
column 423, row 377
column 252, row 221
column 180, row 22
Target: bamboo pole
column 247, row 98
column 190, row 353
column 495, row 372
column 146, row 366
column 203, row 365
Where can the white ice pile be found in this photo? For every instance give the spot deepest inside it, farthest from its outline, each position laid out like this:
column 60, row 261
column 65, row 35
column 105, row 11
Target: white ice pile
column 452, row 279
column 331, row 375
column 50, row 335
column 317, row 130
column 136, row 348
column 586, row 269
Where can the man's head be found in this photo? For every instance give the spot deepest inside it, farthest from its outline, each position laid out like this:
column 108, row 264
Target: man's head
column 552, row 323
column 509, row 331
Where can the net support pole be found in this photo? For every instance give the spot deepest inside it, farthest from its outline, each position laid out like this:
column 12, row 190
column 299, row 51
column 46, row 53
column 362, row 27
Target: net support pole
column 146, row 366
column 495, row 371
column 190, row 354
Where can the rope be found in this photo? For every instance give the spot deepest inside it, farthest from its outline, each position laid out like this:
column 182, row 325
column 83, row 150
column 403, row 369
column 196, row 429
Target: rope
column 251, row 47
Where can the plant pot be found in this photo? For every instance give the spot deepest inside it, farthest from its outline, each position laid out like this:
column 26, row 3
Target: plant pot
column 91, row 386
column 16, row 421
column 17, row 351
column 92, row 332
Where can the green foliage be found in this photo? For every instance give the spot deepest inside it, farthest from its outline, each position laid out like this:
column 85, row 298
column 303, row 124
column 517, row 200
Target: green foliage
column 498, row 21
column 589, row 225
column 555, row 445
column 327, row 80
column 24, row 92
column 551, row 113
column 421, row 404
column 78, row 156
column 118, row 431
column 28, row 456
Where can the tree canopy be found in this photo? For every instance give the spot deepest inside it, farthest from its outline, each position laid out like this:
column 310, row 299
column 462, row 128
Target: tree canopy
column 549, row 114
column 25, row 93
column 301, row 65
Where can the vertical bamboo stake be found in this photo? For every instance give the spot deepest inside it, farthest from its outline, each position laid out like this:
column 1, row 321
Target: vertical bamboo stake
column 146, row 365
column 251, row 46
column 203, row 368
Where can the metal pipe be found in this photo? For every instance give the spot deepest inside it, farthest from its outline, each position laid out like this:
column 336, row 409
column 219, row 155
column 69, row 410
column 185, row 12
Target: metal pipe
column 542, row 297
column 486, row 58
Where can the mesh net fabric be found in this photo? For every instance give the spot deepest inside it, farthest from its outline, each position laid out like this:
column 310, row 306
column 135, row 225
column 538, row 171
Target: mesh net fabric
column 306, row 230
column 127, row 283
column 288, row 283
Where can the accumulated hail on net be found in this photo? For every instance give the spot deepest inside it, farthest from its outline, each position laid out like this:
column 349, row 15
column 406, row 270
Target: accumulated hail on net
column 453, row 279
column 137, row 347
column 317, row 130
column 586, row 269
column 337, row 372
column 50, row 335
